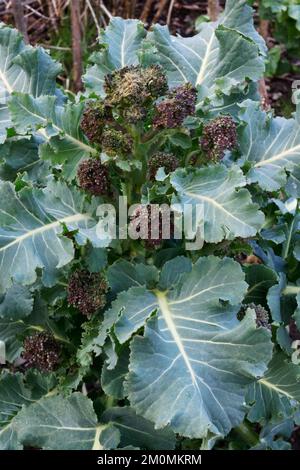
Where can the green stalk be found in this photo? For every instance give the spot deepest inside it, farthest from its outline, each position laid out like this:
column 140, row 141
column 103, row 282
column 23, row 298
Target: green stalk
column 110, row 401
column 140, row 155
column 42, row 329
column 247, row 435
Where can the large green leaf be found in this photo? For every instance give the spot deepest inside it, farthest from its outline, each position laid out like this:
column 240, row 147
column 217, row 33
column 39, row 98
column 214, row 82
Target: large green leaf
column 57, row 423
column 122, row 275
column 112, row 380
column 133, row 307
column 58, row 125
column 217, row 59
column 120, row 44
column 16, row 392
column 192, row 365
column 17, row 303
column 260, row 279
column 271, row 396
column 227, row 210
column 238, row 15
column 271, row 145
column 137, row 431
column 209, row 59
column 21, row 155
column 22, row 68
column 31, row 223
column 29, row 417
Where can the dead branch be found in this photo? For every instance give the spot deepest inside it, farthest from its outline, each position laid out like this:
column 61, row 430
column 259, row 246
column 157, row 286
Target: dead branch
column 146, row 10
column 105, row 10
column 19, row 17
column 265, row 102
column 76, row 44
column 94, row 16
column 169, row 15
column 213, row 9
column 160, row 9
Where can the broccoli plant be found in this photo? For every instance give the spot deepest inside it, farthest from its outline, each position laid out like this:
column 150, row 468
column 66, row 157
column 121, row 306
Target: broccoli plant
column 149, row 245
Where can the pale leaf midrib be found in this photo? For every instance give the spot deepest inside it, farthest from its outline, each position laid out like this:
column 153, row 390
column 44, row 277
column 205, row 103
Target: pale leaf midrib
column 96, row 444
column 45, row 228
column 5, row 82
column 279, row 156
column 205, row 61
column 219, row 206
column 167, row 315
column 78, row 143
column 276, row 388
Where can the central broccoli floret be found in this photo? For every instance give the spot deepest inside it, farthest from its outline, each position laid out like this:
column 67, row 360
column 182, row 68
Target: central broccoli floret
column 132, row 89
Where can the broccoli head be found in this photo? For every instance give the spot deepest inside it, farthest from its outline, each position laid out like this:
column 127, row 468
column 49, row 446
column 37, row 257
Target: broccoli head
column 219, row 135
column 149, row 224
column 42, row 351
column 132, row 89
column 262, row 316
column 93, row 121
column 93, row 177
column 179, row 103
column 115, row 142
column 87, row 291
column 161, row 160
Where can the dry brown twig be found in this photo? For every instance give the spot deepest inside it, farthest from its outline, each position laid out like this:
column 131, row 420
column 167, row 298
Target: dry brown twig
column 264, row 31
column 19, row 17
column 160, row 9
column 146, row 10
column 105, row 10
column 94, row 16
column 169, row 15
column 129, row 7
column 76, row 44
column 213, row 9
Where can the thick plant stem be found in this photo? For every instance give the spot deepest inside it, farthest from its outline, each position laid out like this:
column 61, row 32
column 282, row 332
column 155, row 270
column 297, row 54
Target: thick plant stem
column 246, row 434
column 41, row 329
